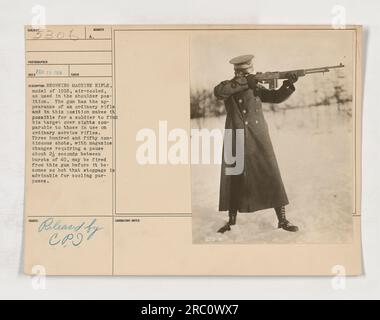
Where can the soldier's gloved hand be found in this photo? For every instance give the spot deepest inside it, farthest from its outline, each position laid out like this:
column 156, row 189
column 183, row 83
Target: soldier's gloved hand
column 291, row 78
column 251, row 80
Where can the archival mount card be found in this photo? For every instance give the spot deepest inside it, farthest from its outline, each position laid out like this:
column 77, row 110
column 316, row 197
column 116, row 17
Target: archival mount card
column 193, row 150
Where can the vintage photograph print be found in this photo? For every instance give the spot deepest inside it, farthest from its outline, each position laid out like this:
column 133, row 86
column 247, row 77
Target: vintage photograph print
column 273, row 135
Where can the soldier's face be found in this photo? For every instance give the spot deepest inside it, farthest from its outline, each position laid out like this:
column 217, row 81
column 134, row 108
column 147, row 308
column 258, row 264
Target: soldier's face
column 250, row 69
column 245, row 71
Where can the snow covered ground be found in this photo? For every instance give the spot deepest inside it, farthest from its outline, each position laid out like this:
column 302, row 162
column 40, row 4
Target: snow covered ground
column 314, row 149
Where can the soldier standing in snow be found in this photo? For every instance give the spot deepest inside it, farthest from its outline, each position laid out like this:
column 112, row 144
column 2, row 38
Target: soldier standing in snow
column 260, row 185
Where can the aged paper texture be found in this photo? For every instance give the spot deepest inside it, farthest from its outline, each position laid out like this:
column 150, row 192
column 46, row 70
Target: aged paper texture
column 112, row 183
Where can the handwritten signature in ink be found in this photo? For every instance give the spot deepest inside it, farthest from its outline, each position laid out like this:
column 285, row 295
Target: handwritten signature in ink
column 66, row 234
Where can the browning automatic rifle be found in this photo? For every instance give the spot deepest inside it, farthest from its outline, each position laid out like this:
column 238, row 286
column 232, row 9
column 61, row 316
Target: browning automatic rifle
column 272, row 77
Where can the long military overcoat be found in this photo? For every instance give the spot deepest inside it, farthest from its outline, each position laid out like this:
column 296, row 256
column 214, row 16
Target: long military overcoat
column 260, row 185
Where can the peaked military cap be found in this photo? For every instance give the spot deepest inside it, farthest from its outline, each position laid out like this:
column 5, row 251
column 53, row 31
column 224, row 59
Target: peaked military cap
column 242, row 62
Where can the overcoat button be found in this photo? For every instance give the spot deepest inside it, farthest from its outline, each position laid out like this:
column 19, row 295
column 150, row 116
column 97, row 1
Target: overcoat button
column 257, row 121
column 246, row 123
column 244, row 111
column 240, row 101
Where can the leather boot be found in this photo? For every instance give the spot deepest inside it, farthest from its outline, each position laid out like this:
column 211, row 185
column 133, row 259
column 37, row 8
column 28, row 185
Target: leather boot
column 283, row 223
column 232, row 214
column 232, row 217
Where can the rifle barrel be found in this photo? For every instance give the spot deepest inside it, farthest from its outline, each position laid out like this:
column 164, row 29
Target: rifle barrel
column 317, row 71
column 323, row 69
column 271, row 76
